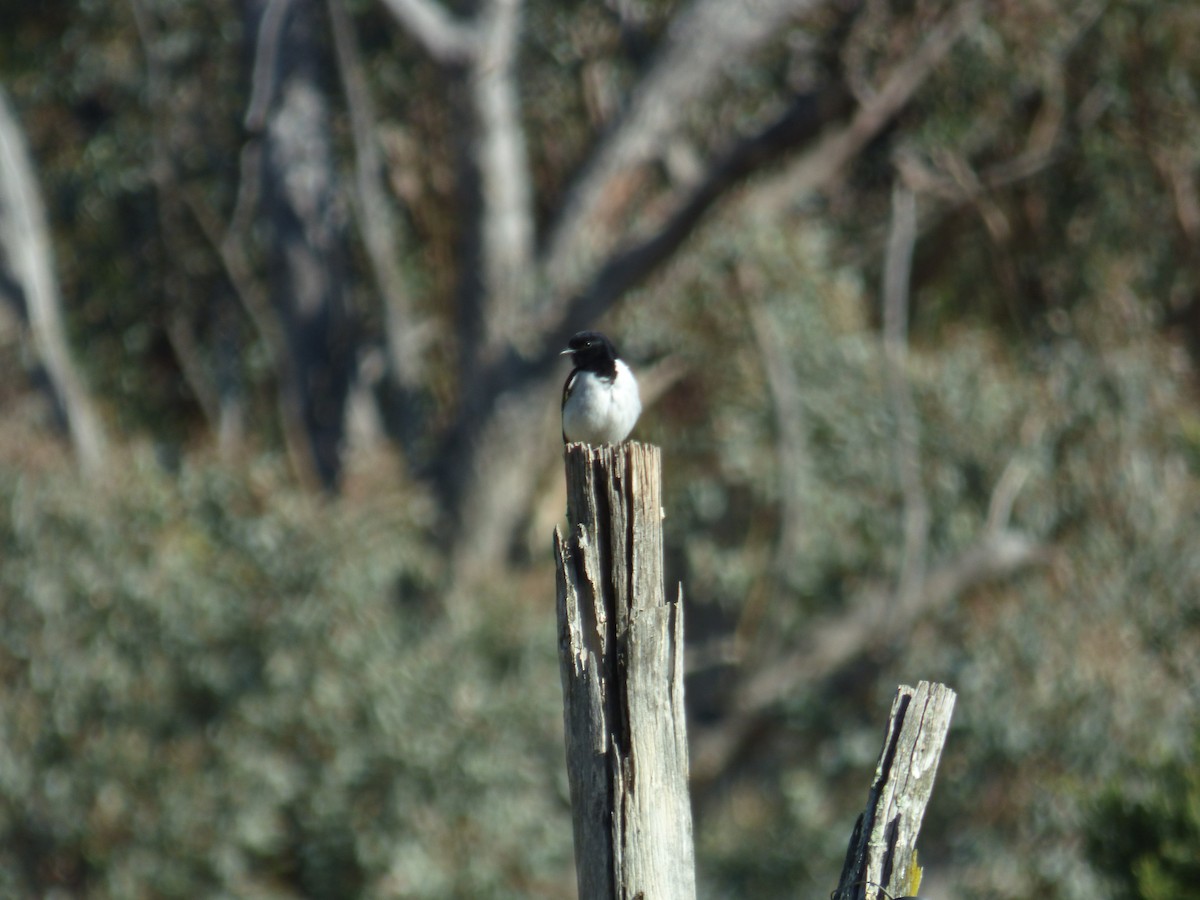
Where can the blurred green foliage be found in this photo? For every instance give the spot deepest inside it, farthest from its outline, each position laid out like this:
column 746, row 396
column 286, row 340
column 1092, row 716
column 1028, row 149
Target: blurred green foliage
column 214, row 685
column 1060, row 669
column 1145, row 831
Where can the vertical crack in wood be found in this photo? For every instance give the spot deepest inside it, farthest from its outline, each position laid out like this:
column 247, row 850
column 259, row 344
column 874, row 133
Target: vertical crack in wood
column 679, row 722
column 622, row 527
column 881, row 848
column 882, row 828
column 891, row 832
column 599, row 472
column 879, row 838
column 619, row 527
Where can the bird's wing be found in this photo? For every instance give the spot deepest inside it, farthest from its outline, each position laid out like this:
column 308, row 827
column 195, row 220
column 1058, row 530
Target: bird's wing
column 568, row 386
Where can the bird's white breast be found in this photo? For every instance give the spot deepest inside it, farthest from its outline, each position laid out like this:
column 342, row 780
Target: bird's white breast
column 599, row 411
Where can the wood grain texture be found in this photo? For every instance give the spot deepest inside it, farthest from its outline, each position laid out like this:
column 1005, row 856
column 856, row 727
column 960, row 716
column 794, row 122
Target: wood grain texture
column 883, row 846
column 621, row 657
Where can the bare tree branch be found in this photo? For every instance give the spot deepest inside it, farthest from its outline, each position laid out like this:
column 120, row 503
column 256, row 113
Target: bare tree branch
column 897, row 266
column 501, row 160
column 251, row 293
column 793, row 458
column 818, row 167
column 505, row 353
column 190, row 357
column 496, row 426
column 230, row 242
column 266, row 64
column 407, row 336
column 873, row 621
column 219, row 394
column 880, row 614
column 967, row 188
column 446, row 39
column 25, row 240
column 1181, row 178
column 831, row 644
column 698, row 46
column 486, row 48
column 803, row 120
column 1004, row 495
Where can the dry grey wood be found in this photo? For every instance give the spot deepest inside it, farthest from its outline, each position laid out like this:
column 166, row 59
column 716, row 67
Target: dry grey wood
column 881, row 851
column 621, row 657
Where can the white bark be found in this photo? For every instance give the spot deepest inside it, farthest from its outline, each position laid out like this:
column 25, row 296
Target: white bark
column 25, row 242
column 506, row 226
column 705, row 39
column 486, row 46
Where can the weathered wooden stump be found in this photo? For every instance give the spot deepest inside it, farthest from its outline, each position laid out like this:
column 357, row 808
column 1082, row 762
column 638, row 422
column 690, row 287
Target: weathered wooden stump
column 621, row 657
column 882, row 852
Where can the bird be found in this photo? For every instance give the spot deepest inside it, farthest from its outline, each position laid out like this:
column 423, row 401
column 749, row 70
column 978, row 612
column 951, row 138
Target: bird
column 600, row 400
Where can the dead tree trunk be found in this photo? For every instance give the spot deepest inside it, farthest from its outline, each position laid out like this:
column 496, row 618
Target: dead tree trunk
column 882, row 853
column 621, row 655
column 306, row 229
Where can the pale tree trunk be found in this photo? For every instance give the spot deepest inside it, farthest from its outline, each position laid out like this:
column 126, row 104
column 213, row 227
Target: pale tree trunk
column 518, row 306
column 25, row 247
column 515, row 318
column 403, row 385
column 506, row 201
column 306, row 231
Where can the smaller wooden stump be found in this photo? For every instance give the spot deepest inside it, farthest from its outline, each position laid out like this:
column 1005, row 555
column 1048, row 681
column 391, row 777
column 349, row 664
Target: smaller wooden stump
column 883, row 846
column 621, row 658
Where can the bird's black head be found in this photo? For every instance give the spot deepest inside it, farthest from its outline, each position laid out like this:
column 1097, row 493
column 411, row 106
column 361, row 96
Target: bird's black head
column 592, row 351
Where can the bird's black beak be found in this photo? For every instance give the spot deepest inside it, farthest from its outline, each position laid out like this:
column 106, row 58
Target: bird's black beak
column 565, row 352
